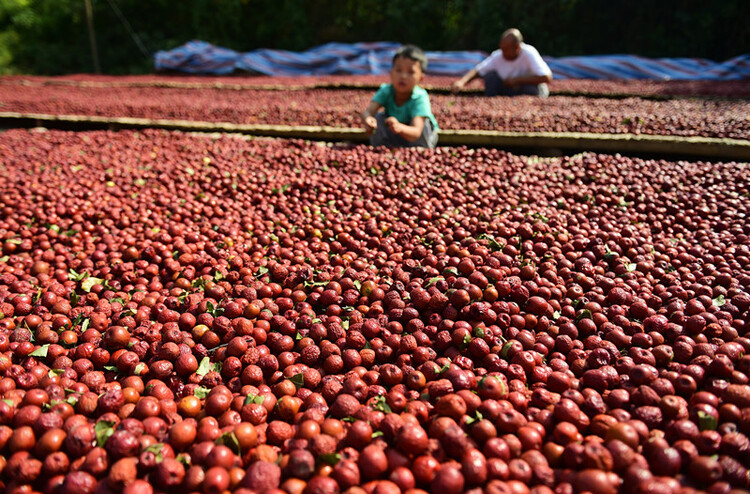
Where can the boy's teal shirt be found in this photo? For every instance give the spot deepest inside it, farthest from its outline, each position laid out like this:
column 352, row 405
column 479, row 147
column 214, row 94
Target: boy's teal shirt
column 416, row 106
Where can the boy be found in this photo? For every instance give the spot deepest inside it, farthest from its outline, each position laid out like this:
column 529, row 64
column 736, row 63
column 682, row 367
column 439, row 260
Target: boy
column 407, row 119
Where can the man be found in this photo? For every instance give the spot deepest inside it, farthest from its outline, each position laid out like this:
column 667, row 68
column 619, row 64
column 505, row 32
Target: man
column 516, row 68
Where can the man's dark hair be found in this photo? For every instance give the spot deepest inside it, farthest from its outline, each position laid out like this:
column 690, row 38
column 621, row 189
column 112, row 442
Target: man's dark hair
column 412, row 52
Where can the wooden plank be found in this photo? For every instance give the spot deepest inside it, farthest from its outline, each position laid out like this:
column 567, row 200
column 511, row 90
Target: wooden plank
column 699, row 147
column 696, row 147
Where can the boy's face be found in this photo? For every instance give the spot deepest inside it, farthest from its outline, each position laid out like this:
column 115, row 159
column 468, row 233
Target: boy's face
column 405, row 74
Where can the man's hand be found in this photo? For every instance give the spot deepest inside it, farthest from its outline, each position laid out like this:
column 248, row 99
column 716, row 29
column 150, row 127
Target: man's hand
column 511, row 82
column 395, row 126
column 371, row 124
column 463, row 81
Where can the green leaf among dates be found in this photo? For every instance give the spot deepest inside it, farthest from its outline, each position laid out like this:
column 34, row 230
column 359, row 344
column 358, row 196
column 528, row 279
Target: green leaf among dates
column 474, row 418
column 493, row 244
column 198, row 283
column 201, row 392
column 298, row 380
column 185, row 459
column 214, row 310
column 380, row 405
column 706, row 421
column 90, row 281
column 505, row 349
column 128, row 311
column 204, row 367
column 41, row 351
column 103, row 430
column 229, row 439
column 585, row 314
column 254, row 399
column 450, row 271
column 158, row 450
column 73, row 275
column 330, row 458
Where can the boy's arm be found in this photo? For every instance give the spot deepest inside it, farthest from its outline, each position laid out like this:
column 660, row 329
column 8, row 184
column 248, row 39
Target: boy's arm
column 410, row 132
column 368, row 116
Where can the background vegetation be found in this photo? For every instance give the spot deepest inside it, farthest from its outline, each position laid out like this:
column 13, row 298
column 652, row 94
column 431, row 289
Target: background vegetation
column 51, row 36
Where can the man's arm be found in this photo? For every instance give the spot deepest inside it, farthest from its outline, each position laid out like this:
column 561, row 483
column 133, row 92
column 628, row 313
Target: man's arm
column 531, row 79
column 463, row 81
column 538, row 70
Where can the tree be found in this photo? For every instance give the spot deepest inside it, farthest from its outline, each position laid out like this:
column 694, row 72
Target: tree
column 50, row 36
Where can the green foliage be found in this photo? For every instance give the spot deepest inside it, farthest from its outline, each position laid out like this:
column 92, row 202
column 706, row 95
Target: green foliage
column 51, row 36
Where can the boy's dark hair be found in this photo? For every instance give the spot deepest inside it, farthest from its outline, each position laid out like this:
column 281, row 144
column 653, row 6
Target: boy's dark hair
column 412, row 52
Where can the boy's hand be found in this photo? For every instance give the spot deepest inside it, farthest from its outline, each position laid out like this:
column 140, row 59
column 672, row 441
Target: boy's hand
column 368, row 117
column 370, row 124
column 393, row 124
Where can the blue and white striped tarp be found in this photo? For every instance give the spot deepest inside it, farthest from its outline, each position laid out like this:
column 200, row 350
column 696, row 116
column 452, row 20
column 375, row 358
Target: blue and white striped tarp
column 199, row 57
